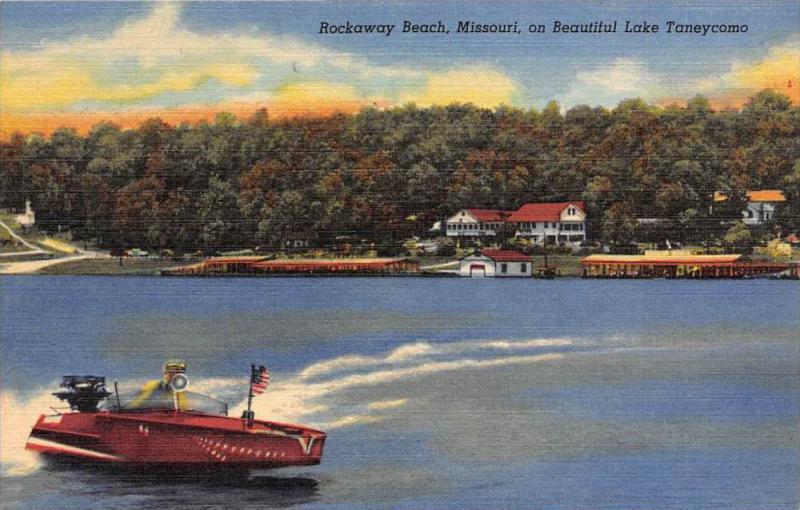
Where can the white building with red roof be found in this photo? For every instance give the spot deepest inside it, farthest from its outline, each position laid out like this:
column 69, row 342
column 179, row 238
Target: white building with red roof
column 476, row 222
column 551, row 223
column 555, row 222
column 496, row 264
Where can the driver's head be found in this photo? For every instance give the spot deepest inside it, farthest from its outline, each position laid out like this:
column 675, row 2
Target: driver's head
column 173, row 367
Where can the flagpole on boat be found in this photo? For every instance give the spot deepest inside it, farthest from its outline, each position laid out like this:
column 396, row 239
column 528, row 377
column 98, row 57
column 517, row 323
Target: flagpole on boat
column 248, row 415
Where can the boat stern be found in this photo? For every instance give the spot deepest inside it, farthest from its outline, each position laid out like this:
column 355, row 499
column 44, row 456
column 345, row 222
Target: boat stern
column 68, row 435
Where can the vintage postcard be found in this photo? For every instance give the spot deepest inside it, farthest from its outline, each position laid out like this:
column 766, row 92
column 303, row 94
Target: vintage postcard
column 379, row 254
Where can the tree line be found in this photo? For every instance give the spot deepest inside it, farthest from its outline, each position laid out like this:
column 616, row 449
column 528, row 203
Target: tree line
column 380, row 176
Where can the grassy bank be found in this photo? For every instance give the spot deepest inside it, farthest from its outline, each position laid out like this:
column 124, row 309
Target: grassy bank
column 130, row 266
column 567, row 265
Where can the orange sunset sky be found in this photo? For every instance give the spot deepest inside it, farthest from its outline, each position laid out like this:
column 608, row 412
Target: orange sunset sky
column 76, row 64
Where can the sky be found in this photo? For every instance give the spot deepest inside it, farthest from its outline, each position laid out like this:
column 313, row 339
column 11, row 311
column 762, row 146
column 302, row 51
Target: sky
column 77, row 63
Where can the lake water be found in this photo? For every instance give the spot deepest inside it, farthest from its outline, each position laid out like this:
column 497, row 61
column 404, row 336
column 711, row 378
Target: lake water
column 436, row 393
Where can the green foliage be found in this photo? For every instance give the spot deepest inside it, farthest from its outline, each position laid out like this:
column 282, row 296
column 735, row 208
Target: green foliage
column 619, row 224
column 738, row 239
column 382, row 176
column 447, row 247
column 219, row 216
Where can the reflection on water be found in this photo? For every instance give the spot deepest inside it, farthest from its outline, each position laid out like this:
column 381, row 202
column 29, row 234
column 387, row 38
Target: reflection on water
column 156, row 486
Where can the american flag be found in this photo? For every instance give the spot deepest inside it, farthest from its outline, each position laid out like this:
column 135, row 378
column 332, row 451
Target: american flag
column 259, row 380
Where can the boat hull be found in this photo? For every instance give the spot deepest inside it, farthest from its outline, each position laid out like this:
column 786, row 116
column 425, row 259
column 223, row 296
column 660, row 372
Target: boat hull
column 176, row 438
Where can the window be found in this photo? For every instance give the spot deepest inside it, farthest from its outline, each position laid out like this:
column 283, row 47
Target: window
column 503, row 267
column 523, row 268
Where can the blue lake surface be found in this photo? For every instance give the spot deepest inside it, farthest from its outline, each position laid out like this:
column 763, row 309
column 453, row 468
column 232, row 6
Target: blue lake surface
column 436, row 393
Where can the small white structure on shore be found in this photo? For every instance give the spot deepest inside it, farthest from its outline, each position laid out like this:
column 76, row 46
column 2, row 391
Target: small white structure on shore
column 496, row 264
column 28, row 219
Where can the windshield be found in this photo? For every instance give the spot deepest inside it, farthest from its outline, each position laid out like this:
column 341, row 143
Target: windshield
column 186, row 401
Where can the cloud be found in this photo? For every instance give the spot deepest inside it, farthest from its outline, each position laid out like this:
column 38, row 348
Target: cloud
column 623, row 76
column 141, row 60
column 482, row 85
column 779, row 69
column 154, row 63
column 609, row 83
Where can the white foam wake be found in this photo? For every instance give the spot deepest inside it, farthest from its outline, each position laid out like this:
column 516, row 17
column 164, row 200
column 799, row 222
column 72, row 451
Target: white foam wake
column 301, row 398
column 410, row 352
column 16, row 419
column 305, row 397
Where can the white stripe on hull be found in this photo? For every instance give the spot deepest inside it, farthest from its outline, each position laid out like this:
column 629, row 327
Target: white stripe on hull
column 55, row 447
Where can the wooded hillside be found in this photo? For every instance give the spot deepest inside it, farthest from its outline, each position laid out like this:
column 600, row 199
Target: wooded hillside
column 383, row 175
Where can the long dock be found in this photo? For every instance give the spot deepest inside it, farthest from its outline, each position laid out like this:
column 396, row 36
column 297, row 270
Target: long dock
column 682, row 265
column 265, row 266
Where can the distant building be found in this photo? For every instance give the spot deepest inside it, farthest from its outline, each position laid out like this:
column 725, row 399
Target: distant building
column 496, row 264
column 297, row 241
column 475, row 222
column 561, row 222
column 761, row 205
column 551, row 223
column 28, row 219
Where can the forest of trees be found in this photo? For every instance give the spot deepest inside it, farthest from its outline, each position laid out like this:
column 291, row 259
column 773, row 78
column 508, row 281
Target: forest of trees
column 385, row 175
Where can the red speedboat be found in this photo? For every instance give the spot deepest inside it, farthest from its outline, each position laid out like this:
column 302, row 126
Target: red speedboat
column 165, row 425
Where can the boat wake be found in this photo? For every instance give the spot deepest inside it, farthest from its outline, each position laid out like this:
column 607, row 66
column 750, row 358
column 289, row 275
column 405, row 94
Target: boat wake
column 312, row 395
column 17, row 416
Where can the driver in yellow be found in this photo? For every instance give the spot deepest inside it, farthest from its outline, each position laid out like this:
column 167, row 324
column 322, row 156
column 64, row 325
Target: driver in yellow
column 160, row 393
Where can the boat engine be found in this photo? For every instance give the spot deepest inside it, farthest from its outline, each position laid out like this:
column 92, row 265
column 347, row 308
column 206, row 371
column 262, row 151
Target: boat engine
column 83, row 392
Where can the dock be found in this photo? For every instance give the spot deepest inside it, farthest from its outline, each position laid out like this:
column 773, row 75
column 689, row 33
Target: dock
column 264, row 266
column 683, row 265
